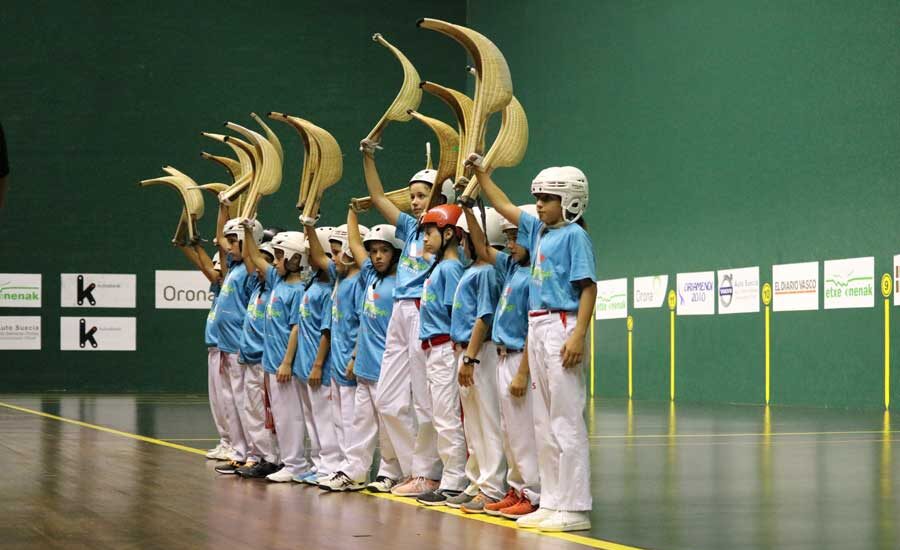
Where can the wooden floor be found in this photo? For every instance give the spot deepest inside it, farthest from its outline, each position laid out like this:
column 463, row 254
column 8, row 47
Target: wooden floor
column 663, row 477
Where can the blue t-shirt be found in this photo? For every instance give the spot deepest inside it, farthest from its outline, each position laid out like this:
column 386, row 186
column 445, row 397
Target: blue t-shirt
column 210, row 334
column 559, row 257
column 511, row 319
column 255, row 324
column 315, row 309
column 437, row 299
column 282, row 313
column 346, row 303
column 378, row 303
column 476, row 298
column 231, row 306
column 412, row 266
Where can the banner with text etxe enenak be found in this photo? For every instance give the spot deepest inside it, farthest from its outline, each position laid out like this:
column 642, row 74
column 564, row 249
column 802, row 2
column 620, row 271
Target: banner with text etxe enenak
column 20, row 290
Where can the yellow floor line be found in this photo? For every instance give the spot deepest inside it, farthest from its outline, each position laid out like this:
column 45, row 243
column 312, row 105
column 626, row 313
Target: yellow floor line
column 666, row 436
column 578, row 539
column 107, row 430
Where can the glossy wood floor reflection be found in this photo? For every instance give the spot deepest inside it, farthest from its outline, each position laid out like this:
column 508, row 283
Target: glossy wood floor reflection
column 663, row 477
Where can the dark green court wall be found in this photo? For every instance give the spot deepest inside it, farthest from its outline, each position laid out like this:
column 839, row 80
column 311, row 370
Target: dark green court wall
column 720, row 134
column 715, row 134
column 95, row 96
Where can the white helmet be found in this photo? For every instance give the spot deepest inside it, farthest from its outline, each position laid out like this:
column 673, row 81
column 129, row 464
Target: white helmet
column 267, row 248
column 234, row 227
column 383, row 233
column 324, row 235
column 428, row 176
column 569, row 184
column 292, row 243
column 341, row 235
column 492, row 218
column 526, row 208
column 217, row 263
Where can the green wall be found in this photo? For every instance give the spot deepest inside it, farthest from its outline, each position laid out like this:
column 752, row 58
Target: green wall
column 715, row 135
column 718, row 135
column 97, row 96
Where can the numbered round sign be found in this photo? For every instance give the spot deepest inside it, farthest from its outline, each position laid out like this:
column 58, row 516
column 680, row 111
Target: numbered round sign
column 887, row 285
column 672, row 300
column 767, row 294
column 629, row 323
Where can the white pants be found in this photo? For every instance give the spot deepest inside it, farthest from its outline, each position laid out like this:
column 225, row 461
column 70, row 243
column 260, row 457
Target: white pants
column 317, row 410
column 343, row 400
column 560, row 431
column 234, row 402
column 262, row 442
column 517, row 427
column 365, row 433
column 443, row 386
column 284, row 398
column 481, row 420
column 214, row 381
column 403, row 398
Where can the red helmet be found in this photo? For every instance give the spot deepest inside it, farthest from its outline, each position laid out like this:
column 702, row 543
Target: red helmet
column 445, row 215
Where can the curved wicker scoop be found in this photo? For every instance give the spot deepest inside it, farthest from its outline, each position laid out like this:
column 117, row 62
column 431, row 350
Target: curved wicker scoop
column 493, row 86
column 310, row 154
column 448, row 140
column 462, row 107
column 508, row 148
column 246, row 154
column 192, row 201
column 267, row 177
column 330, row 169
column 408, row 98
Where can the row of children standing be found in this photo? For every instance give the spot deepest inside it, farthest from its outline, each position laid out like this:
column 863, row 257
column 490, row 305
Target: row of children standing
column 451, row 339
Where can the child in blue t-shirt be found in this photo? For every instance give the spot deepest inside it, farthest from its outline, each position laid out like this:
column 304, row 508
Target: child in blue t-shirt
column 263, row 456
column 279, row 347
column 377, row 256
column 561, row 298
column 474, row 304
column 217, row 381
column 509, row 332
column 312, row 367
column 231, row 309
column 442, row 237
column 343, row 319
column 414, row 438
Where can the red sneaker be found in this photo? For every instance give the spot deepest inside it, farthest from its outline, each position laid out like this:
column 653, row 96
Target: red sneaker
column 511, row 499
column 523, row 507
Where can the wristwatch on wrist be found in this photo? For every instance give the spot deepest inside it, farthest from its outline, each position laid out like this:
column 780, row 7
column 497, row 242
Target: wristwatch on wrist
column 470, row 360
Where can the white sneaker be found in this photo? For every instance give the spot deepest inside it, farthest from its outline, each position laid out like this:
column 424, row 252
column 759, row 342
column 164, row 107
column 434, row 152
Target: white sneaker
column 222, row 451
column 534, row 519
column 341, row 482
column 566, row 521
column 382, row 484
column 281, row 476
column 213, row 454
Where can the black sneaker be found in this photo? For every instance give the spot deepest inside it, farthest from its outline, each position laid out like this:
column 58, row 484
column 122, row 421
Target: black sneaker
column 436, row 498
column 260, row 470
column 229, row 468
column 245, row 468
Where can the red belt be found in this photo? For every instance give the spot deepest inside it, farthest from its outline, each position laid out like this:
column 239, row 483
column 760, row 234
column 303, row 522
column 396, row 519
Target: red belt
column 418, row 303
column 541, row 312
column 434, row 341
